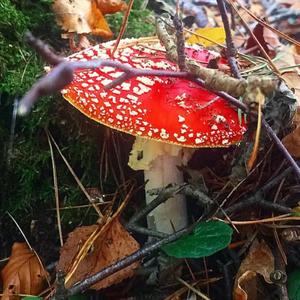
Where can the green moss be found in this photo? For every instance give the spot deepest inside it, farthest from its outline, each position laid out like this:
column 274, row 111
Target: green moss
column 134, row 28
column 26, row 176
column 19, row 66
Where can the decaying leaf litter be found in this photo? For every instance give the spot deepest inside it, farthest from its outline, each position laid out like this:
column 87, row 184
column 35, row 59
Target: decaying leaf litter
column 223, row 186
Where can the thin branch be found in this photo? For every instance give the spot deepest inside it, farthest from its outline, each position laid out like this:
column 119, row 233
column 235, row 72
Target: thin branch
column 145, row 231
column 263, row 51
column 231, row 50
column 258, row 197
column 165, row 194
column 43, row 50
column 123, row 26
column 213, row 79
column 257, row 200
column 61, row 293
column 190, row 287
column 75, row 177
column 267, row 127
column 180, row 42
column 282, row 148
column 63, row 74
column 281, row 34
column 56, row 193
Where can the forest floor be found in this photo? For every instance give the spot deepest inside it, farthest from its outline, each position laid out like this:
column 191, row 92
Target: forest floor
column 73, row 216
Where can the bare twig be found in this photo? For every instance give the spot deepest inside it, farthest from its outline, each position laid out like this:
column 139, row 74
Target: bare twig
column 213, row 79
column 21, row 231
column 145, row 231
column 55, row 184
column 75, row 177
column 63, row 74
column 123, row 26
column 263, row 51
column 267, row 127
column 180, row 42
column 281, row 34
column 165, row 194
column 43, row 50
column 258, row 197
column 60, row 292
column 282, row 148
column 190, row 287
column 231, row 50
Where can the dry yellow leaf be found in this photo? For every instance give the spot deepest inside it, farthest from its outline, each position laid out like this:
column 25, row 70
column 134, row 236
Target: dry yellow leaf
column 216, row 35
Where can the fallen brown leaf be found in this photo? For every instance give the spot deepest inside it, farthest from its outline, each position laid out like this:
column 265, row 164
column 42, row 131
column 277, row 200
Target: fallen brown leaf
column 286, row 2
column 292, row 80
column 259, row 260
column 296, row 52
column 287, row 58
column 295, row 6
column 23, row 274
column 292, row 140
column 291, row 77
column 266, row 38
column 271, row 38
column 113, row 244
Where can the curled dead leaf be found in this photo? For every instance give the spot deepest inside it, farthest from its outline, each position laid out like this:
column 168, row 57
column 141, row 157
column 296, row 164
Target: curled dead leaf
column 259, row 260
column 97, row 22
column 110, row 246
column 111, row 6
column 266, row 38
column 246, row 287
column 23, row 274
column 84, row 16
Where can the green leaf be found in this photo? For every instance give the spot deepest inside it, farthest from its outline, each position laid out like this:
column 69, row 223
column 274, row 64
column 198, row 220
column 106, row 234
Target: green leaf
column 32, row 298
column 294, row 285
column 206, row 239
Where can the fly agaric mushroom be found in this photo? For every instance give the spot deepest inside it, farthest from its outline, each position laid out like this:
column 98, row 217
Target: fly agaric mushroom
column 168, row 116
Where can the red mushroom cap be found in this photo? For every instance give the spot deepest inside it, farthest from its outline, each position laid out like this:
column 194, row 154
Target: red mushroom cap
column 171, row 110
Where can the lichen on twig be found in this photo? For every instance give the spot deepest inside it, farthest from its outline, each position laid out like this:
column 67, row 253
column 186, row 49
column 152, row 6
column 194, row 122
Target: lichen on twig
column 213, row 79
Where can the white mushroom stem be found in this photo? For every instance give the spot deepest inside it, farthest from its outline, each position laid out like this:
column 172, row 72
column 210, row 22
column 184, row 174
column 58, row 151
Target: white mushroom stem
column 160, row 162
